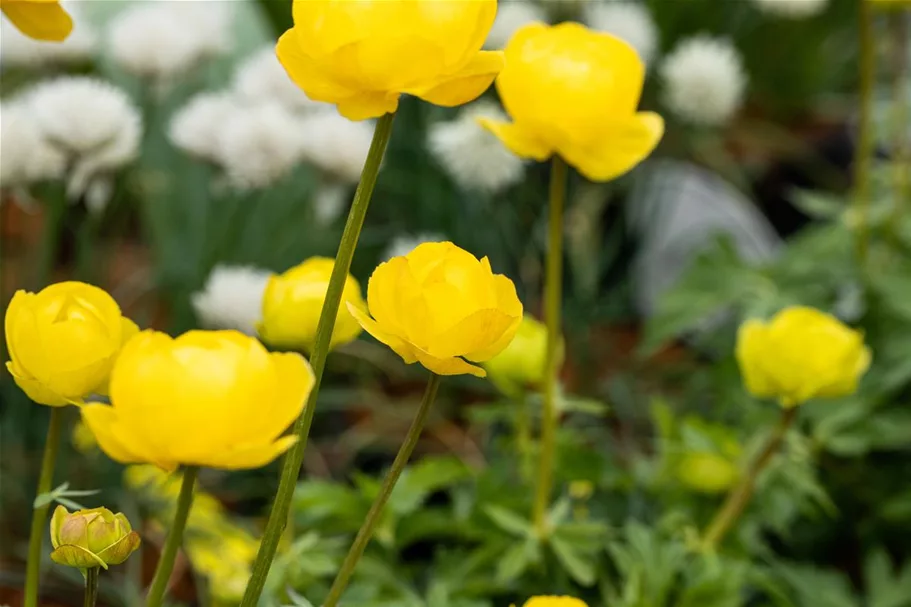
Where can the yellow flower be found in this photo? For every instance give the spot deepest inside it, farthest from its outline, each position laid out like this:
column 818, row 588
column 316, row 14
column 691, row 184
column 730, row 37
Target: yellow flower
column 362, row 56
column 573, row 92
column 438, row 304
column 554, row 601
column 521, row 364
column 801, row 353
column 207, row 398
column 63, row 341
column 39, row 19
column 707, row 472
column 83, row 439
column 91, row 538
column 293, row 301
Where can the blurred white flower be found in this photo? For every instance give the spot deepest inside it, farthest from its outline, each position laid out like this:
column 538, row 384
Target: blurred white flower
column 704, row 80
column 17, row 49
column 630, row 21
column 471, row 155
column 262, row 78
column 260, row 144
column 29, row 156
column 791, row 9
column 510, row 17
column 335, row 144
column 329, row 201
column 232, row 298
column 197, row 127
column 406, row 243
column 93, row 123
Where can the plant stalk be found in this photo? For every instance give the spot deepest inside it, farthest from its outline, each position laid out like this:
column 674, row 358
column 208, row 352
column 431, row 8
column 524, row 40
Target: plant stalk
column 376, row 509
column 863, row 153
column 39, row 514
column 901, row 107
column 278, row 517
column 91, row 586
column 159, row 586
column 552, row 311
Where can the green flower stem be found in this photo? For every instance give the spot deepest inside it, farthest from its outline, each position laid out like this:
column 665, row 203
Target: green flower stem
column 39, row 515
column 552, row 312
column 290, row 472
column 91, row 586
column 523, row 438
column 159, row 586
column 863, row 153
column 740, row 496
column 901, row 155
column 376, row 509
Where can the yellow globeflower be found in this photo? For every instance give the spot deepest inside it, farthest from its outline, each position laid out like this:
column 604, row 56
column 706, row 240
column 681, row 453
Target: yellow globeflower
column 207, row 398
column 39, row 19
column 573, row 92
column 801, row 353
column 293, row 301
column 439, row 304
column 91, row 538
column 361, row 56
column 554, row 601
column 63, row 340
column 521, row 364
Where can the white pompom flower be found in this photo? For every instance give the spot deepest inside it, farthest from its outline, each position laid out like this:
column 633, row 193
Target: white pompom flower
column 232, row 298
column 28, row 156
column 510, row 17
column 472, row 156
column 704, row 80
column 197, row 127
column 629, row 21
column 335, row 144
column 18, row 50
column 404, row 244
column 792, row 9
column 261, row 77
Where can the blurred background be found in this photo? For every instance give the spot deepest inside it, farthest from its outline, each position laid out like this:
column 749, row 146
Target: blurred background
column 162, row 153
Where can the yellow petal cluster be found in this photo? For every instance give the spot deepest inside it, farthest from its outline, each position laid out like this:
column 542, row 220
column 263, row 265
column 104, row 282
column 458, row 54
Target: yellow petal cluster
column 438, row 305
column 801, row 353
column 63, row 341
column 91, row 538
column 554, row 601
column 292, row 303
column 39, row 19
column 573, row 92
column 207, row 398
column 521, row 364
column 361, row 56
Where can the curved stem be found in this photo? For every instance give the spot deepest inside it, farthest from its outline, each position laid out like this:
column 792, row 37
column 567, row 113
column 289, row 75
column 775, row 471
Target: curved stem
column 552, row 311
column 91, row 586
column 278, row 516
column 740, row 496
column 168, row 555
column 39, row 515
column 365, row 533
column 863, row 153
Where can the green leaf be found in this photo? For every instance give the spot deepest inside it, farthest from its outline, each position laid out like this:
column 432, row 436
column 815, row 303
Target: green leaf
column 509, row 521
column 517, row 559
column 885, row 588
column 579, row 565
column 422, row 479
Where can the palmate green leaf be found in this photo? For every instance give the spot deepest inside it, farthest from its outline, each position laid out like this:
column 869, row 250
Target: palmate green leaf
column 423, row 478
column 886, row 587
column 812, row 587
column 579, row 564
column 509, row 521
column 517, row 559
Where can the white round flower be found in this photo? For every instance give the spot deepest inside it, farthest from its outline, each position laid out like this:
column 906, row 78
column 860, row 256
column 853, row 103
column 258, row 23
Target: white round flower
column 510, row 17
column 471, row 155
column 17, row 49
column 405, row 243
column 791, row 9
column 259, row 145
column 261, row 77
column 197, row 127
column 704, row 80
column 335, row 144
column 232, row 298
column 91, row 121
column 29, row 156
column 630, row 21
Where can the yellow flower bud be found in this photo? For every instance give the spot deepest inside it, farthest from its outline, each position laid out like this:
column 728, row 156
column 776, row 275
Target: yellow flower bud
column 573, row 92
column 63, row 341
column 801, row 353
column 521, row 364
column 707, row 472
column 293, row 301
column 438, row 305
column 206, row 398
column 554, row 601
column 362, row 56
column 91, row 538
column 39, row 19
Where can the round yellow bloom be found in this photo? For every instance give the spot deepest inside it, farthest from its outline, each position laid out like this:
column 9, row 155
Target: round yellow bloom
column 438, row 304
column 293, row 301
column 707, row 472
column 207, row 398
column 573, row 92
column 91, row 538
column 63, row 341
column 361, row 56
column 801, row 353
column 39, row 19
column 521, row 364
column 554, row 601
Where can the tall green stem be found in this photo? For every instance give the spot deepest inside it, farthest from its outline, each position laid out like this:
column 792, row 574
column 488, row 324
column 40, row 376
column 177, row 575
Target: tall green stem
column 39, row 515
column 159, row 585
column 901, row 153
column 863, row 154
column 552, row 312
column 740, row 496
column 523, row 438
column 365, row 533
column 91, row 586
column 290, row 472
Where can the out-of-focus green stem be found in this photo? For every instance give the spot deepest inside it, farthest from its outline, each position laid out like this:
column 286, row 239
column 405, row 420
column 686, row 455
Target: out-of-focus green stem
column 552, row 311
column 863, row 154
column 901, row 107
column 278, row 516
column 91, row 587
column 523, row 437
column 159, row 586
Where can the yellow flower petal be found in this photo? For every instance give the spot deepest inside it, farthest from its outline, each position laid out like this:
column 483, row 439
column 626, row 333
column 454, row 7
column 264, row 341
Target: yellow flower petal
column 622, row 148
column 520, row 142
column 467, row 84
column 39, row 19
column 295, row 381
column 247, row 457
column 114, row 438
column 473, row 335
column 448, row 366
column 368, row 105
column 34, row 389
column 398, row 345
column 750, row 351
column 303, row 70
